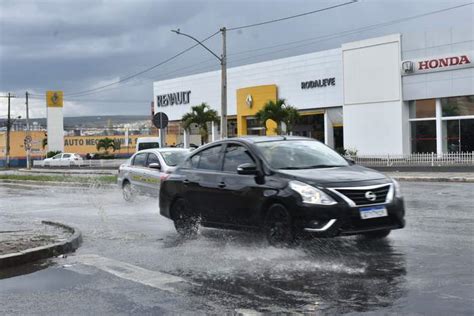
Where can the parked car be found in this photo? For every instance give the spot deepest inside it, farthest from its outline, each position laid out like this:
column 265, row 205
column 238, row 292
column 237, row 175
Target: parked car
column 143, row 172
column 147, row 143
column 63, row 159
column 285, row 186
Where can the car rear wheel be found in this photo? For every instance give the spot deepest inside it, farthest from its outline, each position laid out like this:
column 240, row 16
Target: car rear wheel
column 185, row 222
column 127, row 192
column 279, row 226
column 378, row 234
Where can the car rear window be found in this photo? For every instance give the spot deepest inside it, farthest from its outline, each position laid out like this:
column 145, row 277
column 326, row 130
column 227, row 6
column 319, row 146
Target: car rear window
column 174, row 158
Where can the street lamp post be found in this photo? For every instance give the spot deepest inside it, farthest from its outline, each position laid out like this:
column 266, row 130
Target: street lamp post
column 223, row 62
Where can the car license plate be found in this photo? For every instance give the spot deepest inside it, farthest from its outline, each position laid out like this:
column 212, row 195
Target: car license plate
column 373, row 212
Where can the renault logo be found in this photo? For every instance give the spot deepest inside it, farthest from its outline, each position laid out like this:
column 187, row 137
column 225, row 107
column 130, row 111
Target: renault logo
column 249, row 101
column 371, row 196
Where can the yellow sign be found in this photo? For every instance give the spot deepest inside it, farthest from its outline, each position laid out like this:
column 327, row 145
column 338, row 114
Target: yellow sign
column 249, row 101
column 54, row 99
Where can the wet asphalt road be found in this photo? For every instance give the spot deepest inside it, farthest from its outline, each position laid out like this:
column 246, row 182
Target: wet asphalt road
column 132, row 262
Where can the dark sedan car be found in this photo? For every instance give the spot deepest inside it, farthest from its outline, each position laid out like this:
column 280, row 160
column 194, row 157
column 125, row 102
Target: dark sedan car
column 285, row 186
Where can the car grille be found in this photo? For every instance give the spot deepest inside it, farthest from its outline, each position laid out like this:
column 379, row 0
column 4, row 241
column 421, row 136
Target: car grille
column 358, row 196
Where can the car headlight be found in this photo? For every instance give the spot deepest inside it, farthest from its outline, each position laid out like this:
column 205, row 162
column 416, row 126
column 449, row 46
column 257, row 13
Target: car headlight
column 396, row 186
column 310, row 194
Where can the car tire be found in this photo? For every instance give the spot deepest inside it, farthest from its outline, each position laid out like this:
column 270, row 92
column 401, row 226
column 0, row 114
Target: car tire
column 127, row 192
column 378, row 234
column 279, row 226
column 185, row 223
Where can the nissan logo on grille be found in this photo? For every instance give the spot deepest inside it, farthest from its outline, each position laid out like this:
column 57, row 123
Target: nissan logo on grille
column 371, row 196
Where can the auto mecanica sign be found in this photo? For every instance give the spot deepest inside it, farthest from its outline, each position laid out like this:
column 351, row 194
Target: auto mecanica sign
column 438, row 63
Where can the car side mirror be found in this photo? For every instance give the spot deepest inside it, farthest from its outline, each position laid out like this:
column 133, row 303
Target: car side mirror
column 350, row 161
column 247, row 168
column 154, row 165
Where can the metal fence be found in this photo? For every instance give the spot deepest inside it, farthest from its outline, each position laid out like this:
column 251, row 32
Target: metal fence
column 412, row 160
column 91, row 163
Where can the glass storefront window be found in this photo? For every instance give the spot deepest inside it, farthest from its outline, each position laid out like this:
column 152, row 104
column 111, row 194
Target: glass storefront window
column 458, row 106
column 231, row 128
column 423, row 108
column 458, row 135
column 254, row 127
column 423, row 136
column 310, row 126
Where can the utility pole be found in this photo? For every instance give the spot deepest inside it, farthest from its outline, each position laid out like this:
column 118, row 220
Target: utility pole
column 224, row 86
column 28, row 143
column 223, row 61
column 7, row 152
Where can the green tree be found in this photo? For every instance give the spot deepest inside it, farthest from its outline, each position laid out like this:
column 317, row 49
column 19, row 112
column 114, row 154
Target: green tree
column 107, row 143
column 200, row 115
column 279, row 112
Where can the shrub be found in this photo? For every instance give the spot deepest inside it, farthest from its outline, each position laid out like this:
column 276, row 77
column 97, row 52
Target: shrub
column 53, row 153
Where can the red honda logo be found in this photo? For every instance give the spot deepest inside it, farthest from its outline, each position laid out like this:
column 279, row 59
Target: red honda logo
column 443, row 62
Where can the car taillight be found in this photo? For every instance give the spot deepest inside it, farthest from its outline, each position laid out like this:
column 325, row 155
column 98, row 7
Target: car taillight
column 164, row 176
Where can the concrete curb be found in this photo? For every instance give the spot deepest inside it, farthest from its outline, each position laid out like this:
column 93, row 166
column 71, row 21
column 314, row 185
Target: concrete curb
column 433, row 179
column 43, row 252
column 62, row 184
column 72, row 171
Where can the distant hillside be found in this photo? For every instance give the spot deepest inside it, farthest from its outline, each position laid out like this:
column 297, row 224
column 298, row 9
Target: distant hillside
column 91, row 121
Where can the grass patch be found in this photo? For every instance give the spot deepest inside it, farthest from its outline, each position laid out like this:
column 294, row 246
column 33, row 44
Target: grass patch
column 56, row 178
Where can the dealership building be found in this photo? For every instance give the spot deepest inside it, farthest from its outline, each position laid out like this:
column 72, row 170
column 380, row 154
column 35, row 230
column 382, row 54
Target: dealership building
column 396, row 94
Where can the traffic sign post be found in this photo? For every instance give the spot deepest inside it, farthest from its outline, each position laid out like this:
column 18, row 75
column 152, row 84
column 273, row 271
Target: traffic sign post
column 160, row 120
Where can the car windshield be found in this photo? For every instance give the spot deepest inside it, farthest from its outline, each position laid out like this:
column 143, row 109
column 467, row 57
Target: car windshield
column 173, row 158
column 142, row 146
column 300, row 154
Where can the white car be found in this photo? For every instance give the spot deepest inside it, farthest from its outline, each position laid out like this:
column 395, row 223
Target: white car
column 63, row 159
column 143, row 172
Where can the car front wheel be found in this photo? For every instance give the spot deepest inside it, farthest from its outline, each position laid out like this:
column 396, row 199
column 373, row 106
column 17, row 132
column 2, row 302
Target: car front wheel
column 186, row 223
column 378, row 234
column 279, row 226
column 127, row 192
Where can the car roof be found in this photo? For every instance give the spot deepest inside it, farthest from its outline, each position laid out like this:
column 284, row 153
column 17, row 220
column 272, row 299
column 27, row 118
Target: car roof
column 158, row 150
column 260, row 139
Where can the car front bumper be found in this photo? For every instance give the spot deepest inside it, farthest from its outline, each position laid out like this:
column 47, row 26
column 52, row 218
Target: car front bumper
column 340, row 219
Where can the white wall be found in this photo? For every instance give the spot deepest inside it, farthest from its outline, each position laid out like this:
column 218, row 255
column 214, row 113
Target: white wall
column 438, row 43
column 55, row 128
column 286, row 73
column 373, row 108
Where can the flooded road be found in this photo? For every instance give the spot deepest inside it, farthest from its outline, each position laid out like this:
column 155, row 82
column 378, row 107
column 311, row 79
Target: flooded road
column 132, row 261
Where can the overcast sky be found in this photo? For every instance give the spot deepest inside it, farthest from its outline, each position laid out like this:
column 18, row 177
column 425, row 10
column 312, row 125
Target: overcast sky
column 82, row 44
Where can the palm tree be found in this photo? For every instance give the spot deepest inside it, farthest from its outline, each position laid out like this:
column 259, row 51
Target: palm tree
column 200, row 115
column 107, row 143
column 280, row 113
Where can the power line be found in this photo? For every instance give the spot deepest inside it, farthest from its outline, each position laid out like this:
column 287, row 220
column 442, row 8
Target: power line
column 311, row 41
column 84, row 92
column 291, row 17
column 318, row 39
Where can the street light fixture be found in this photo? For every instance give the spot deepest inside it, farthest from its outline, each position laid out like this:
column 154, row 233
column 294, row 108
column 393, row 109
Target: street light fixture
column 223, row 62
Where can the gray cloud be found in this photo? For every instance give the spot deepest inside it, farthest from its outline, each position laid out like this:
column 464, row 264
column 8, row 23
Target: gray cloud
column 77, row 45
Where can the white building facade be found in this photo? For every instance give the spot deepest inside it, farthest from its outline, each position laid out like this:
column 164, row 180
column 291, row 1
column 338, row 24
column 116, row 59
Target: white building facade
column 396, row 94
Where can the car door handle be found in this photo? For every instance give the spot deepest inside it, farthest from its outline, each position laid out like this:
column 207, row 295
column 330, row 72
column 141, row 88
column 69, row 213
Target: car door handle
column 186, row 181
column 221, row 185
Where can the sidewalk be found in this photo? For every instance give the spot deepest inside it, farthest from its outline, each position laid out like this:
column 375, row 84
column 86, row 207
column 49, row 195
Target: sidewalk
column 432, row 176
column 16, row 236
column 22, row 242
